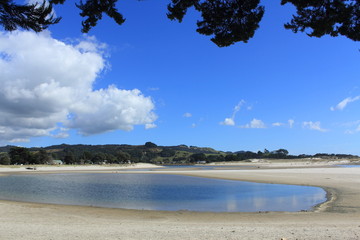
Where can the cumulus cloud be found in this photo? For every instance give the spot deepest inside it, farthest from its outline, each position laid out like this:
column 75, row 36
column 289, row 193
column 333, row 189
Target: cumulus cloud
column 255, row 123
column 231, row 121
column 46, row 83
column 289, row 123
column 228, row 122
column 341, row 105
column 108, row 109
column 278, row 124
column 150, row 125
column 314, row 126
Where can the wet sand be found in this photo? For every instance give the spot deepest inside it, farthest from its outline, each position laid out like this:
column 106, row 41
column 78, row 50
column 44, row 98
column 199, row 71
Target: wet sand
column 339, row 218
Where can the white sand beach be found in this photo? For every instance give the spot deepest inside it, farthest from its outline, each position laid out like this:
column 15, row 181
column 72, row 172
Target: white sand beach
column 59, row 168
column 339, row 218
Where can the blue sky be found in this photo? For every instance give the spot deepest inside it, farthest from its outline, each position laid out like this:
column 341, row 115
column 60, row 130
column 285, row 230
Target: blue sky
column 279, row 90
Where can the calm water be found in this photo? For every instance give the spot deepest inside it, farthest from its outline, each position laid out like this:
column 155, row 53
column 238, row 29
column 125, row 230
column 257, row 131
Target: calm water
column 197, row 167
column 211, row 167
column 349, row 166
column 158, row 192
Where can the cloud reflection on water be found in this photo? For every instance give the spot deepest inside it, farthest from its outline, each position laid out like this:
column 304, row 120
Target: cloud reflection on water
column 159, row 192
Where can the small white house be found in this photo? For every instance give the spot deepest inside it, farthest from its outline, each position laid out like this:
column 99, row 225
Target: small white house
column 56, row 162
column 201, row 162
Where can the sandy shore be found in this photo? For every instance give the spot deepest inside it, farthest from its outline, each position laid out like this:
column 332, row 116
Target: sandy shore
column 339, row 218
column 67, row 168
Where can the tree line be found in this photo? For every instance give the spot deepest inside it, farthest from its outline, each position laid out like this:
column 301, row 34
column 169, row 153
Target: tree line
column 147, row 153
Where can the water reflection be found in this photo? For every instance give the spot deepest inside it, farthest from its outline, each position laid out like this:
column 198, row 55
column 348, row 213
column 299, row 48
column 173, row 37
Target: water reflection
column 159, row 192
column 349, row 166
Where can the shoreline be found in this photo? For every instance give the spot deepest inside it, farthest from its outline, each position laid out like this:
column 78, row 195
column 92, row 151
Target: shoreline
column 337, row 218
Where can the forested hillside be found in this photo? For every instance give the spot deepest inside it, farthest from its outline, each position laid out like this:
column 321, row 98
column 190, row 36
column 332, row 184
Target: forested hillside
column 149, row 153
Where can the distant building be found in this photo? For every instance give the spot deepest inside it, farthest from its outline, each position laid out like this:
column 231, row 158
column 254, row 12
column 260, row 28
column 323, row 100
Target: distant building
column 56, row 162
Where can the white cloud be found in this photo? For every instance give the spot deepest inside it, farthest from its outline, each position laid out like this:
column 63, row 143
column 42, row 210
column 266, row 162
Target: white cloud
column 314, row 126
column 187, row 115
column 291, row 123
column 61, row 135
column 39, row 3
column 352, row 125
column 16, row 140
column 353, row 131
column 231, row 121
column 357, row 129
column 341, row 105
column 150, row 125
column 228, row 122
column 44, row 82
column 255, row 123
column 153, row 89
column 237, row 108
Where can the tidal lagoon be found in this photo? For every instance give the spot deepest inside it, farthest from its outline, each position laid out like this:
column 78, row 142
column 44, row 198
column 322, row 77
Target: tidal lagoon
column 158, row 192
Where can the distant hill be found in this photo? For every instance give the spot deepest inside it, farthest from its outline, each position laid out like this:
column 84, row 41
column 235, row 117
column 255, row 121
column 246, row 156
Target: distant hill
column 149, row 152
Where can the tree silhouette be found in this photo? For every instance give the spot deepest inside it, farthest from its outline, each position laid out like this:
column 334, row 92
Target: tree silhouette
column 326, row 17
column 227, row 21
column 34, row 16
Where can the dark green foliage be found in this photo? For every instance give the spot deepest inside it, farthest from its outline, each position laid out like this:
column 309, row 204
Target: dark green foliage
column 122, row 157
column 282, row 152
column 179, row 160
column 4, row 159
column 326, row 17
column 230, row 157
column 99, row 158
column 148, row 156
column 246, row 155
column 229, row 21
column 197, row 157
column 113, row 154
column 215, row 158
column 150, row 145
column 332, row 156
column 20, row 155
column 41, row 157
column 166, row 152
column 136, row 155
column 69, row 157
column 93, row 10
column 87, row 155
column 36, row 17
column 178, row 8
column 57, row 1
